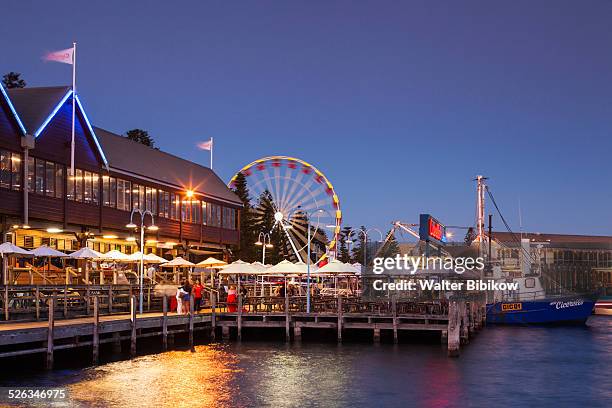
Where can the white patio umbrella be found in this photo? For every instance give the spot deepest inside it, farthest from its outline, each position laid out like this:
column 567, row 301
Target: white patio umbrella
column 239, row 267
column 211, row 263
column 47, row 252
column 86, row 253
column 116, row 255
column 152, row 258
column 178, row 262
column 7, row 249
column 336, row 267
column 284, row 267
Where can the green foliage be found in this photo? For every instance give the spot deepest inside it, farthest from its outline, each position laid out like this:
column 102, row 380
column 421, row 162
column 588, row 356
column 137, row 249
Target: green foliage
column 140, row 136
column 344, row 252
column 246, row 250
column 358, row 248
column 13, row 80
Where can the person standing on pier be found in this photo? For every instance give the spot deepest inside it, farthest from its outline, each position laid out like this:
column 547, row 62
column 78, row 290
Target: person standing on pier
column 180, row 297
column 197, row 295
column 232, row 299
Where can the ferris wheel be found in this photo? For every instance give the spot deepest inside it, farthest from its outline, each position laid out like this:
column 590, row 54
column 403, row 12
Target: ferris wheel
column 288, row 194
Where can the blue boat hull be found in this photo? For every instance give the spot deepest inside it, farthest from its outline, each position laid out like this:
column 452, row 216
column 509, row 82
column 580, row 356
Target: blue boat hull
column 557, row 310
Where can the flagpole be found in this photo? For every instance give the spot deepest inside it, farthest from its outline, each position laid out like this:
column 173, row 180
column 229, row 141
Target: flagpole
column 73, row 107
column 211, row 154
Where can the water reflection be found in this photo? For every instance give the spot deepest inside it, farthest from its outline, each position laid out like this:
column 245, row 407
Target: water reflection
column 176, row 378
column 503, row 366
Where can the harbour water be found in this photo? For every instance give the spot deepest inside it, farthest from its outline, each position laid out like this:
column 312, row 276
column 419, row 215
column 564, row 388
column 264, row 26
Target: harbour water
column 503, row 366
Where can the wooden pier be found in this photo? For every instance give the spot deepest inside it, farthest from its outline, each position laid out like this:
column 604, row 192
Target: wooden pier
column 456, row 321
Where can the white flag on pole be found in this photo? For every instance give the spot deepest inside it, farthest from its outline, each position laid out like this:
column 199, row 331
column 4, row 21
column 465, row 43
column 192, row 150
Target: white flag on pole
column 64, row 56
column 208, row 145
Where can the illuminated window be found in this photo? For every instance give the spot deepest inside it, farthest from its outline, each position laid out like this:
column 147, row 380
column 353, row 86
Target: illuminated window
column 16, row 171
column 71, row 183
column 78, row 182
column 40, row 176
column 59, row 181
column 31, row 171
column 5, row 169
column 87, row 190
column 204, row 213
column 50, row 179
column 95, row 189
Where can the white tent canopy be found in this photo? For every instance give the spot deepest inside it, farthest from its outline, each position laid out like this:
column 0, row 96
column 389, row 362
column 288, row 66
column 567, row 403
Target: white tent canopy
column 336, row 267
column 239, row 268
column 304, row 267
column 86, row 253
column 211, row 263
column 47, row 252
column 259, row 266
column 178, row 262
column 9, row 248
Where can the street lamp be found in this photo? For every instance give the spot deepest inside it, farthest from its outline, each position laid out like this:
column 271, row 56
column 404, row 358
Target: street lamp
column 308, row 216
column 151, row 227
column 365, row 242
column 261, row 241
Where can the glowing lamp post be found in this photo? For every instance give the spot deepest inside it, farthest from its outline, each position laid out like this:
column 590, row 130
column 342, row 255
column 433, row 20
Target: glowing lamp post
column 151, row 227
column 264, row 241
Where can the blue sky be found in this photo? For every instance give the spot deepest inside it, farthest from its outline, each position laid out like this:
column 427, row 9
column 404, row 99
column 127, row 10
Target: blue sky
column 400, row 104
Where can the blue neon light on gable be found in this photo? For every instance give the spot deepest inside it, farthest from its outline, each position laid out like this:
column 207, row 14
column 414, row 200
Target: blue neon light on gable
column 53, row 113
column 93, row 134
column 12, row 108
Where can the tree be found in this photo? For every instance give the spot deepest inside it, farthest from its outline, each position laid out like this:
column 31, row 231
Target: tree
column 358, row 250
column 13, row 80
column 246, row 249
column 140, row 136
column 390, row 248
column 346, row 236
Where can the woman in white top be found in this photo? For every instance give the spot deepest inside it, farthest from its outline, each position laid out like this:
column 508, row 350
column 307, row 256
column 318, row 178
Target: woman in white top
column 179, row 299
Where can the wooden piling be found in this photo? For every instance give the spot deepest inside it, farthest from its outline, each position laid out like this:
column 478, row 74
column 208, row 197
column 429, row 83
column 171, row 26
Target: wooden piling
column 239, row 317
column 110, row 299
column 465, row 331
column 297, row 333
column 6, row 301
column 165, row 323
column 133, row 323
column 191, row 300
column 454, row 326
column 87, row 300
column 37, row 300
column 65, row 302
column 287, row 319
column 213, row 317
column 340, row 318
column 51, row 327
column 376, row 335
column 225, row 332
column 96, row 332
column 395, row 334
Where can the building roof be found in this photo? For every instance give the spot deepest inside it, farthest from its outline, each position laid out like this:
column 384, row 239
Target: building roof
column 35, row 105
column 507, row 237
column 135, row 158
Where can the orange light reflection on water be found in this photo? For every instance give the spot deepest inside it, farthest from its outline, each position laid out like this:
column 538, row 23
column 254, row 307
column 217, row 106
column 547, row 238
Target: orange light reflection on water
column 175, row 378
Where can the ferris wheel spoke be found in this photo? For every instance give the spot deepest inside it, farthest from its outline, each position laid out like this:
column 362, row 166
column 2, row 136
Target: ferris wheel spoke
column 287, row 186
column 297, row 181
column 299, row 195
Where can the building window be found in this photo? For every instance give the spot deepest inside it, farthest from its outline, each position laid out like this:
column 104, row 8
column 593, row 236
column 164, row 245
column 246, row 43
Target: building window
column 175, row 202
column 40, row 176
column 78, row 181
column 5, row 169
column 50, row 179
column 120, row 195
column 59, row 181
column 195, row 211
column 204, row 213
column 164, row 204
column 31, row 171
column 95, row 189
column 186, row 211
column 229, row 218
column 214, row 215
column 87, row 190
column 28, row 241
column 135, row 196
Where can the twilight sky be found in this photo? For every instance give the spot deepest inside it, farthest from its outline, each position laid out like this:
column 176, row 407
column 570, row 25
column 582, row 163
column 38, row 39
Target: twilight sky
column 400, row 103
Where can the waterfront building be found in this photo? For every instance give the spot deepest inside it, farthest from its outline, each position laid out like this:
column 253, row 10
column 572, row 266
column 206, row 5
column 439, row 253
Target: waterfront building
column 579, row 263
column 42, row 204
